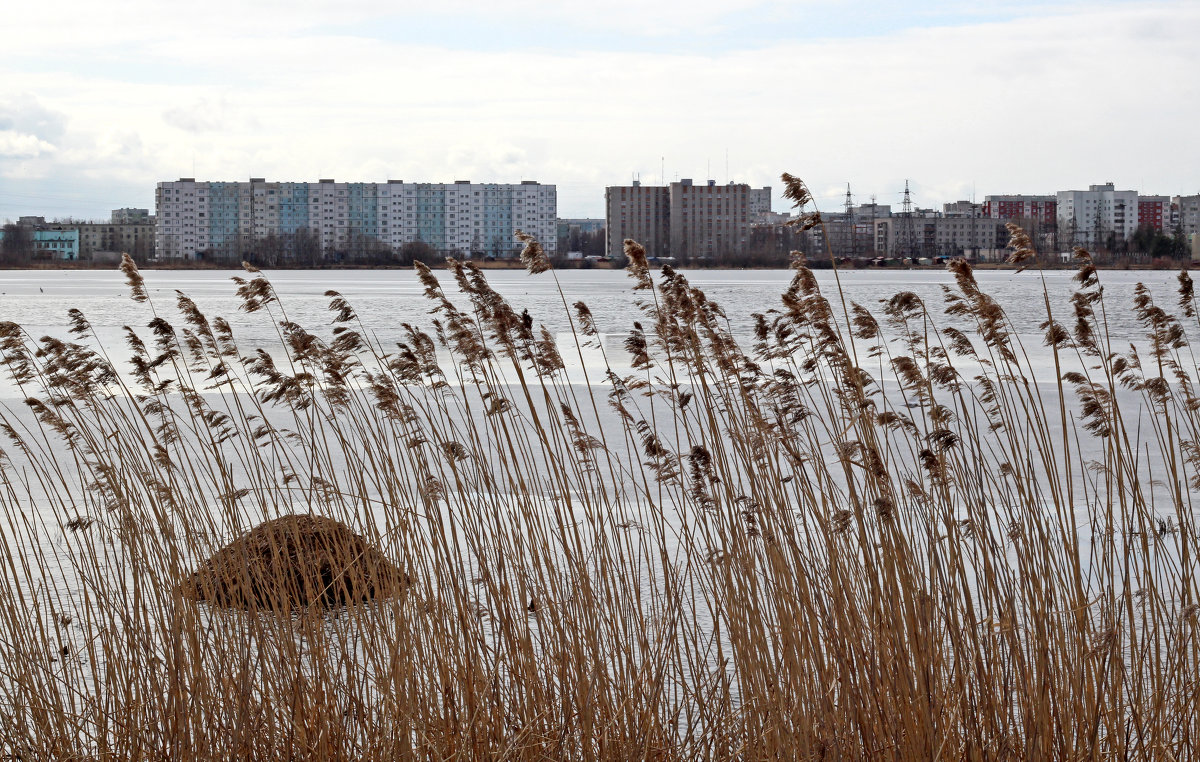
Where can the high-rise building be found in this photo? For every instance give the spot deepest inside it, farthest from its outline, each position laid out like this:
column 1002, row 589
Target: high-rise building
column 640, row 212
column 1089, row 218
column 228, row 219
column 1154, row 212
column 1187, row 211
column 709, row 221
column 682, row 220
column 760, row 205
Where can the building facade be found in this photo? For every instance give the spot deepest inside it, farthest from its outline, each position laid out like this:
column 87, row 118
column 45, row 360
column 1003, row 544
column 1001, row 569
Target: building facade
column 1040, row 209
column 962, row 209
column 49, row 241
column 130, row 216
column 135, row 240
column 1093, row 217
column 940, row 236
column 682, row 220
column 578, row 224
column 57, row 243
column 640, row 212
column 1187, row 213
column 1154, row 212
column 760, row 205
column 708, row 221
column 228, row 219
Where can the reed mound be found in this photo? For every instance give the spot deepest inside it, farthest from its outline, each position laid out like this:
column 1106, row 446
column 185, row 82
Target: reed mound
column 295, row 561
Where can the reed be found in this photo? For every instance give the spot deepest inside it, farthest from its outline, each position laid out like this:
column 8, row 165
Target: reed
column 868, row 534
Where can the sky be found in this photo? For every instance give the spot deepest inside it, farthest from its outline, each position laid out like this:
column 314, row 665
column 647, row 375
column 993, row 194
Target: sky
column 99, row 101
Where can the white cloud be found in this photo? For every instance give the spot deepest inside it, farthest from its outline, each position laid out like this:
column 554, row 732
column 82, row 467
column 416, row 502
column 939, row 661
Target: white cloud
column 17, row 145
column 24, row 113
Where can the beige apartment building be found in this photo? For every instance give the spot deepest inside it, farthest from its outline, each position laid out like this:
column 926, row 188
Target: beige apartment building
column 683, row 220
column 640, row 212
column 135, row 239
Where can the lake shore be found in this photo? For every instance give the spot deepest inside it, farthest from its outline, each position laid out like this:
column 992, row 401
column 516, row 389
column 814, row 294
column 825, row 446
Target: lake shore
column 515, row 264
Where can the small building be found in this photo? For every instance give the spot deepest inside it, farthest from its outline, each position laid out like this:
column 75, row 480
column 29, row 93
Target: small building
column 53, row 243
column 56, row 244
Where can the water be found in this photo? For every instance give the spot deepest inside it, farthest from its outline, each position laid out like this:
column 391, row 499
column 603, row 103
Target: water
column 385, row 299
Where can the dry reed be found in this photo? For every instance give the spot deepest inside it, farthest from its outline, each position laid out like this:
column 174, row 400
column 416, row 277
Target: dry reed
column 866, row 535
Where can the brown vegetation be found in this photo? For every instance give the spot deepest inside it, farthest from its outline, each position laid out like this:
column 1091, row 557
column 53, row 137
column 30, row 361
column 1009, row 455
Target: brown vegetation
column 869, row 534
column 295, row 562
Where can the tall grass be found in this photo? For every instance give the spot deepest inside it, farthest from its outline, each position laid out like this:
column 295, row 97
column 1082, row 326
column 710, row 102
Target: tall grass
column 867, row 535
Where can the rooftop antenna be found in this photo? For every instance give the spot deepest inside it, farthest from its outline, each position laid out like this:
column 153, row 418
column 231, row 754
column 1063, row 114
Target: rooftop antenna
column 662, row 170
column 728, row 179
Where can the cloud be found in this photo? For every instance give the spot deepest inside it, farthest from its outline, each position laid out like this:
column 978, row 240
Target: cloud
column 17, row 145
column 1023, row 105
column 203, row 116
column 23, row 113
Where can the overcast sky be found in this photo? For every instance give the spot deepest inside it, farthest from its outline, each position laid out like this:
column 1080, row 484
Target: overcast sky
column 98, row 101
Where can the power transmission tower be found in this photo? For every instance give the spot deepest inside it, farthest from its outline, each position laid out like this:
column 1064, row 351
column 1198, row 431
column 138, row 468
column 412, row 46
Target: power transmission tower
column 905, row 244
column 852, row 248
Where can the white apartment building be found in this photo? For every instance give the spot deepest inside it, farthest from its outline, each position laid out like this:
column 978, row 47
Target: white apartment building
column 182, row 218
column 760, row 205
column 199, row 219
column 1088, row 218
column 1188, row 210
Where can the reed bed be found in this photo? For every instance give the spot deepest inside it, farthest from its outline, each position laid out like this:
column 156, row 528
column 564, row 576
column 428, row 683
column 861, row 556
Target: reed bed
column 868, row 534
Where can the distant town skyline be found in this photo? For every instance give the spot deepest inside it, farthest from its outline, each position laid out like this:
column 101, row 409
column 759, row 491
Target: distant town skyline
column 97, row 107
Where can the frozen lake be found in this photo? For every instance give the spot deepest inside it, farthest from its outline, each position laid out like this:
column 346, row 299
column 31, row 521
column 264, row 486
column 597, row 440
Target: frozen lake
column 385, row 299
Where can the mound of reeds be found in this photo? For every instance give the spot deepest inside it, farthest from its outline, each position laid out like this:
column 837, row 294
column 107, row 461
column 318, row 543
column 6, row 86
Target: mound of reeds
column 293, row 562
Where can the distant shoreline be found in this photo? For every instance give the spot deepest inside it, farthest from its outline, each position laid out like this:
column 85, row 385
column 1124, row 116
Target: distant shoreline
column 515, row 264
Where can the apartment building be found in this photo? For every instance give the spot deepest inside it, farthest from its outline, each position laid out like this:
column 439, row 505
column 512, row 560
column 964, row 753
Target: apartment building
column 1154, row 212
column 934, row 235
column 962, row 209
column 129, row 231
column 683, row 219
column 227, row 219
column 1089, row 218
column 136, row 239
column 1187, row 211
column 850, row 235
column 708, row 221
column 640, row 212
column 131, row 216
column 1040, row 209
column 760, row 205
